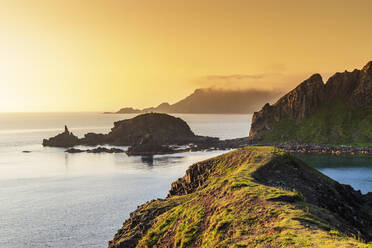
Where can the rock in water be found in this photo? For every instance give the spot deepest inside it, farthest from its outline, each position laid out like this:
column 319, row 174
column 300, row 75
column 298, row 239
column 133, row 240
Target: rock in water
column 65, row 139
column 96, row 150
column 148, row 146
column 74, row 150
column 105, row 150
column 163, row 128
column 93, row 139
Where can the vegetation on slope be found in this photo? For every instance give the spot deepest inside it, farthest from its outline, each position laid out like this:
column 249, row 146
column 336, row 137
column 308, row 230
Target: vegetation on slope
column 252, row 197
column 338, row 112
column 335, row 124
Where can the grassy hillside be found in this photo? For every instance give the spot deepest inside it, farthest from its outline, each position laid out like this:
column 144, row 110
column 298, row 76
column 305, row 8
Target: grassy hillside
column 252, row 197
column 334, row 124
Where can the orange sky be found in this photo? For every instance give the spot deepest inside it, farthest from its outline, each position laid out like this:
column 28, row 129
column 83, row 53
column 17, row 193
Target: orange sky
column 101, row 55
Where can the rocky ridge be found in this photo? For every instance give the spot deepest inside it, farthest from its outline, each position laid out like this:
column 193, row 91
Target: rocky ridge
column 251, row 197
column 320, row 112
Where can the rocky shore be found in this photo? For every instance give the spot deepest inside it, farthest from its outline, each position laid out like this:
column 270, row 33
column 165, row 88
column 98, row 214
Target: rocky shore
column 96, row 150
column 327, row 149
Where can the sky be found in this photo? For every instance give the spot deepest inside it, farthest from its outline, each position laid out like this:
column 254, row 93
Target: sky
column 101, row 55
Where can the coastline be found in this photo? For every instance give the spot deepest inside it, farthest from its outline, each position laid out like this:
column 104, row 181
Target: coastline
column 325, row 149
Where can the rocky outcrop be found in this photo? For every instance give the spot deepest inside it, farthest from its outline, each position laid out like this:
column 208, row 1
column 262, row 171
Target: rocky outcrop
column 75, row 150
column 93, row 139
column 149, row 146
column 195, row 177
column 327, row 149
column 298, row 104
column 305, row 113
column 65, row 139
column 249, row 194
column 95, row 150
column 163, row 129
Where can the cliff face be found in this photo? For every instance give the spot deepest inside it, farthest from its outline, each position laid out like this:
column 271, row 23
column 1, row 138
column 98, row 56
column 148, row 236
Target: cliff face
column 251, row 197
column 315, row 112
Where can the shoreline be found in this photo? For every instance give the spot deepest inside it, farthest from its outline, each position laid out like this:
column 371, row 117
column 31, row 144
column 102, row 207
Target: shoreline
column 326, row 149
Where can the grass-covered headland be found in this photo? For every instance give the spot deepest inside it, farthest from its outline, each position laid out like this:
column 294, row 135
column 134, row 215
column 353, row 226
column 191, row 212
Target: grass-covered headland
column 251, row 197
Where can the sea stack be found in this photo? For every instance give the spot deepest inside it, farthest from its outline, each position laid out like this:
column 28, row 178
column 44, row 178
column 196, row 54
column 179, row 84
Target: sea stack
column 65, row 139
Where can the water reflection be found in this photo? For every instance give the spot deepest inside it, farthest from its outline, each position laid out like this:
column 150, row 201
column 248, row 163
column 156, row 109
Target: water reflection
column 148, row 159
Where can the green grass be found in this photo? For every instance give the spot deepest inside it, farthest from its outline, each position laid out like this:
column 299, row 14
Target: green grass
column 334, row 124
column 234, row 210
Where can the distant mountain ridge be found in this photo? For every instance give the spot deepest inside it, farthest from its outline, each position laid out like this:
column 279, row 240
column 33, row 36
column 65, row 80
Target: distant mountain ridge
column 214, row 101
column 336, row 112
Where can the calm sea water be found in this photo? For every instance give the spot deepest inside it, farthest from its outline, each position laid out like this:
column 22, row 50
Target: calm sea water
column 355, row 170
column 52, row 199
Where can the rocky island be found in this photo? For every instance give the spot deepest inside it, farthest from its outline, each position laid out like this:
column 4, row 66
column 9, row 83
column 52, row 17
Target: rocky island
column 146, row 134
column 338, row 112
column 251, row 197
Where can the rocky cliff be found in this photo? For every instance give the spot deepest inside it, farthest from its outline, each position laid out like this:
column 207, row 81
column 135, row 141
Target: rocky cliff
column 336, row 112
column 251, row 197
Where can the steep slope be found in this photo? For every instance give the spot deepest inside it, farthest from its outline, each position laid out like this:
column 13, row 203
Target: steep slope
column 337, row 112
column 251, row 197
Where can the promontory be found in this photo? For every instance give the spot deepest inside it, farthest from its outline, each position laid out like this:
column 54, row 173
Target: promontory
column 252, row 197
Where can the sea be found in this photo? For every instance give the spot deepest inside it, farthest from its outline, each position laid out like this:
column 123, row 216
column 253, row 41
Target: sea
column 49, row 198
